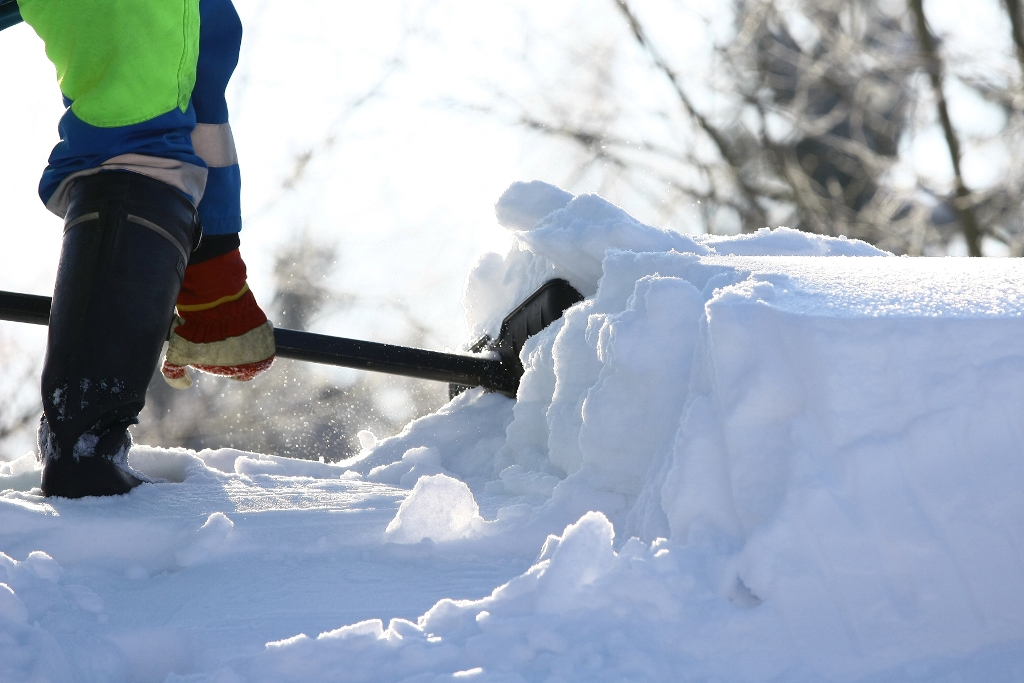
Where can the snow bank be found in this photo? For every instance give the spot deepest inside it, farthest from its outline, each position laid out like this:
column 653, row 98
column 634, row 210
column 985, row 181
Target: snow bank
column 831, row 446
column 583, row 612
column 774, row 456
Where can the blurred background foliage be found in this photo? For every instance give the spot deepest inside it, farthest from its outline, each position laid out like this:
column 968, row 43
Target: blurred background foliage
column 897, row 122
column 810, row 115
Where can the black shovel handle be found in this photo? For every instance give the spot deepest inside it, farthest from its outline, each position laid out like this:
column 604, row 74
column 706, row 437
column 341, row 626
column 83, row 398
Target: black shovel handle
column 453, row 368
column 320, row 348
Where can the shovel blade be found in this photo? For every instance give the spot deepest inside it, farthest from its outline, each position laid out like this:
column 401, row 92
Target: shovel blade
column 543, row 307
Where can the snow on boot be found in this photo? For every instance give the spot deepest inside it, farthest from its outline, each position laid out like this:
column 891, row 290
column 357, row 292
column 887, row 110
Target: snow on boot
column 127, row 239
column 220, row 329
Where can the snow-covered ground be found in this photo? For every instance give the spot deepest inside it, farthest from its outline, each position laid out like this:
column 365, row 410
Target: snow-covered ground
column 769, row 457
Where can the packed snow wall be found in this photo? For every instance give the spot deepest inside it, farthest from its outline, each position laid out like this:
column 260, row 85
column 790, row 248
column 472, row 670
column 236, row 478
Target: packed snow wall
column 830, row 438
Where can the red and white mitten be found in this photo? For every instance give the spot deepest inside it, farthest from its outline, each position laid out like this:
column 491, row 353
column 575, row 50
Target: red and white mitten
column 219, row 329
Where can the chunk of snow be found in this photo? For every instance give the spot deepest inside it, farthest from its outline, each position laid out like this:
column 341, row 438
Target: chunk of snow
column 26, row 463
column 367, row 440
column 209, row 541
column 21, row 474
column 439, row 508
column 43, row 566
column 577, row 238
column 524, row 205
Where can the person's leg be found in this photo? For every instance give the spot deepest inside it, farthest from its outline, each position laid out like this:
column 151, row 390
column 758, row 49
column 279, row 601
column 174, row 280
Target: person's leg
column 221, row 329
column 127, row 240
column 125, row 178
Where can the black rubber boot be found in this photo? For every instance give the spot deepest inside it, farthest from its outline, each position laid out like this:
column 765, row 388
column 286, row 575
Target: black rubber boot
column 127, row 239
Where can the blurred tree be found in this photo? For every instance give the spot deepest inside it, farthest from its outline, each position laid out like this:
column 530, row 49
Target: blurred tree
column 805, row 123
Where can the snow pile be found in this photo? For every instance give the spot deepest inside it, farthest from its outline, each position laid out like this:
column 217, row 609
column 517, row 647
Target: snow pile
column 776, row 456
column 834, row 443
column 583, row 612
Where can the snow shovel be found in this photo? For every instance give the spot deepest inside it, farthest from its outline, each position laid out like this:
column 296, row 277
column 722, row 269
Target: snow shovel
column 461, row 371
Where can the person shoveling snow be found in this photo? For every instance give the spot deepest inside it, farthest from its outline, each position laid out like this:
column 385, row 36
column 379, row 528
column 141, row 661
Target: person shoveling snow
column 147, row 181
column 767, row 457
column 121, row 272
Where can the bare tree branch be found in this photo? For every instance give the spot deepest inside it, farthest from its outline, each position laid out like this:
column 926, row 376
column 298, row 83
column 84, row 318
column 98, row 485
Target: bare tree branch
column 968, row 221
column 1013, row 8
column 717, row 137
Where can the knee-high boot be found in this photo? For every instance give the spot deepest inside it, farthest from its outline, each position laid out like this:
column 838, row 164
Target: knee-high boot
column 127, row 239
